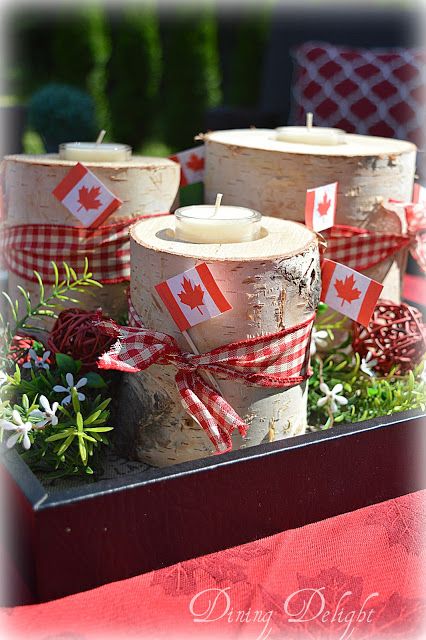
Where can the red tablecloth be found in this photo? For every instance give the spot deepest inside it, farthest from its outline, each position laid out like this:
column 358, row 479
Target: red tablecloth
column 357, row 575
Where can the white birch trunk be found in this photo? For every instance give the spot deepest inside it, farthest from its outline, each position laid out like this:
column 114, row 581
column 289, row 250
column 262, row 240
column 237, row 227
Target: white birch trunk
column 271, row 283
column 146, row 186
column 253, row 169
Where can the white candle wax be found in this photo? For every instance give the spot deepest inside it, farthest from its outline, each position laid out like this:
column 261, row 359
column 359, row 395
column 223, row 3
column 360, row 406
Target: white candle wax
column 311, row 135
column 200, row 224
column 95, row 152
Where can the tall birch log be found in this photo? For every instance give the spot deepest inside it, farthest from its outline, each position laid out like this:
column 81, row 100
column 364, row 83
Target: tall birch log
column 251, row 168
column 147, row 186
column 272, row 283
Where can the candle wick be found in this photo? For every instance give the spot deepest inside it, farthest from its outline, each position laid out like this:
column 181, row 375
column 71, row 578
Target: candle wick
column 217, row 203
column 309, row 120
column 101, row 136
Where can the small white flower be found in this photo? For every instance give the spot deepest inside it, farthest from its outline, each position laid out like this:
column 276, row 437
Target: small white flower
column 38, row 361
column 48, row 416
column 70, row 382
column 319, row 339
column 20, row 428
column 367, row 364
column 332, row 397
column 3, row 378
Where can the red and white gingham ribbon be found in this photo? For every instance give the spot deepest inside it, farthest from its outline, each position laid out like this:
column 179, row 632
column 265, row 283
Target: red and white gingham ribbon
column 416, row 219
column 34, row 246
column 361, row 249
column 276, row 360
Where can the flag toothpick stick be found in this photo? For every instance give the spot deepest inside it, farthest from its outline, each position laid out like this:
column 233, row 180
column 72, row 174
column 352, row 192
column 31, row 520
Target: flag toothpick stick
column 196, row 351
column 309, row 120
column 208, row 375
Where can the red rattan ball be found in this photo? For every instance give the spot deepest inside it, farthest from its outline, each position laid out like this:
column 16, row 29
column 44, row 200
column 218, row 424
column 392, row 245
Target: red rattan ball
column 75, row 334
column 395, row 336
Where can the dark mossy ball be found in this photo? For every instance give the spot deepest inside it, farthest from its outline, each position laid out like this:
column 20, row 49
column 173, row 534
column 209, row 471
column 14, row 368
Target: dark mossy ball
column 62, row 113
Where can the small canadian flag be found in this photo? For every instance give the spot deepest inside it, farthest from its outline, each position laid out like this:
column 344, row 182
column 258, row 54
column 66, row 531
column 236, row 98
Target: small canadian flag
column 191, row 165
column 419, row 194
column 320, row 207
column 349, row 291
column 192, row 297
column 86, row 197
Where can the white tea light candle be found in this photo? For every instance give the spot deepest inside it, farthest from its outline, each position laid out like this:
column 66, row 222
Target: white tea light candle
column 201, row 225
column 310, row 134
column 95, row 152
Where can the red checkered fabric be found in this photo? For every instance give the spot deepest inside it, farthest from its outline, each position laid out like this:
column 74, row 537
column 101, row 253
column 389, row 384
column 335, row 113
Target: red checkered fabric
column 33, row 247
column 367, row 91
column 276, row 360
column 361, row 249
column 416, row 218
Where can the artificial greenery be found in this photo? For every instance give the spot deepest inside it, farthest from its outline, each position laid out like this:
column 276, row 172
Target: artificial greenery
column 62, row 290
column 65, row 446
column 58, row 435
column 367, row 393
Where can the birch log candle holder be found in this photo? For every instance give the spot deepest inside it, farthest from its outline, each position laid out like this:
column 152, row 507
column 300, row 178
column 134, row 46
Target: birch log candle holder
column 146, row 186
column 272, row 283
column 255, row 169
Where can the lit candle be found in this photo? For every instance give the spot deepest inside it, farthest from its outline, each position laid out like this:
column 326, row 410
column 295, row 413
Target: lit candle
column 310, row 134
column 208, row 224
column 95, row 151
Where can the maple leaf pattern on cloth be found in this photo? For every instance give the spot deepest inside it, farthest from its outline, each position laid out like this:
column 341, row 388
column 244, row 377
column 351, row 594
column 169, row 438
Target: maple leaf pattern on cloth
column 392, row 616
column 89, row 198
column 192, row 295
column 324, row 205
column 186, row 578
column 346, row 290
column 404, row 522
column 195, row 163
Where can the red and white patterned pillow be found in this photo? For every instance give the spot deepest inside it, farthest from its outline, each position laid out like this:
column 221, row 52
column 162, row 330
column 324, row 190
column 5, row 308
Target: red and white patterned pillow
column 368, row 91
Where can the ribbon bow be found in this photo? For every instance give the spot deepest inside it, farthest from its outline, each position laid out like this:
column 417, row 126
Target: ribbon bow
column 275, row 360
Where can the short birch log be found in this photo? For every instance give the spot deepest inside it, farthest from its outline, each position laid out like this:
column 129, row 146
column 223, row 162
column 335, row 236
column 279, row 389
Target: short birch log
column 147, row 186
column 272, row 283
column 253, row 169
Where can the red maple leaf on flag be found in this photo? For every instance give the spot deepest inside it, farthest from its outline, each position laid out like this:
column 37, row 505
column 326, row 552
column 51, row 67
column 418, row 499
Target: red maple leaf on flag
column 192, row 295
column 346, row 289
column 89, row 198
column 195, row 163
column 324, row 205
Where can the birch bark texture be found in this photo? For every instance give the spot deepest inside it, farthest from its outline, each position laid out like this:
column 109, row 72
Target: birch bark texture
column 147, row 186
column 272, row 283
column 253, row 169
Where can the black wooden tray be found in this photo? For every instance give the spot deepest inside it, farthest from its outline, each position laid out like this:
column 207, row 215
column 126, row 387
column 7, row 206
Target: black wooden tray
column 66, row 541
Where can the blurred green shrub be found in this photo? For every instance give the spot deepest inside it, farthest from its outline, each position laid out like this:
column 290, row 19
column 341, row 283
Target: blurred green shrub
column 61, row 113
column 247, row 59
column 191, row 77
column 134, row 74
column 80, row 50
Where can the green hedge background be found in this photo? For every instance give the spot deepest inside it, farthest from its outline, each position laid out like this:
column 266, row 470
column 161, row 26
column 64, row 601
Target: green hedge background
column 152, row 72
